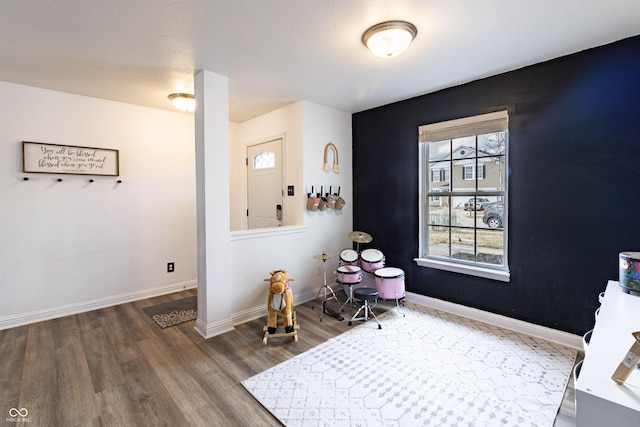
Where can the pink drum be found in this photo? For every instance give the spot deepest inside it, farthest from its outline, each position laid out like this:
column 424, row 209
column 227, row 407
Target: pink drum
column 390, row 283
column 348, row 257
column 349, row 274
column 371, row 260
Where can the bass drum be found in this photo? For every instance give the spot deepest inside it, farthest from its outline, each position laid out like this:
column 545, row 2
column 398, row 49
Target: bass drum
column 371, row 260
column 348, row 257
column 390, row 283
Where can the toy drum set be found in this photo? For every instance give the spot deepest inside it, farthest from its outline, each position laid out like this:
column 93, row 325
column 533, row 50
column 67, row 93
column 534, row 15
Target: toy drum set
column 367, row 269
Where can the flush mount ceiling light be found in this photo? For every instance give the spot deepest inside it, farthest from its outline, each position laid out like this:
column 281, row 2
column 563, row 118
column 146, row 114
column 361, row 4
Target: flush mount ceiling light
column 183, row 101
column 389, row 39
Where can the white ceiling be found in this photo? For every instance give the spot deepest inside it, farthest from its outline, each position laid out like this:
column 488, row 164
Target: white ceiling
column 279, row 51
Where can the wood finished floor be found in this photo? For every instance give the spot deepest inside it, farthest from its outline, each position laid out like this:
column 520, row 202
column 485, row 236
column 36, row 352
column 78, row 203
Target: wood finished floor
column 116, row 367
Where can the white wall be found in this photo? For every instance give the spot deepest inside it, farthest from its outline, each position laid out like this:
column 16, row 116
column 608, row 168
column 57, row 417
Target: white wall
column 72, row 246
column 285, row 123
column 308, row 128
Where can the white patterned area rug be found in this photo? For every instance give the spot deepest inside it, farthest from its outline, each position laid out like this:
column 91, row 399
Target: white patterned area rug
column 429, row 368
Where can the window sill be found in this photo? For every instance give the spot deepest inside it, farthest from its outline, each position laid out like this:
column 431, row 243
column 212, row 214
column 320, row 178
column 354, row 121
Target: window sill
column 471, row 270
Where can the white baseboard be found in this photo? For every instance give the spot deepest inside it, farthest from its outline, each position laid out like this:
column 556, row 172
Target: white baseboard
column 208, row 331
column 553, row 335
column 7, row 322
column 212, row 329
column 261, row 311
column 248, row 315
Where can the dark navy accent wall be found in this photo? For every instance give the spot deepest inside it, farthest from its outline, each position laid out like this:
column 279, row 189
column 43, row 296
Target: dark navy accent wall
column 574, row 183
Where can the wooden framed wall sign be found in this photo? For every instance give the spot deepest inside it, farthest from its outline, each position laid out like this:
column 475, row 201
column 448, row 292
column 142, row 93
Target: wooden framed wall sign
column 68, row 159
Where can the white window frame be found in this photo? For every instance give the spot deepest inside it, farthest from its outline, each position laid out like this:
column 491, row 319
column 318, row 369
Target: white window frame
column 474, row 175
column 475, row 125
column 469, row 172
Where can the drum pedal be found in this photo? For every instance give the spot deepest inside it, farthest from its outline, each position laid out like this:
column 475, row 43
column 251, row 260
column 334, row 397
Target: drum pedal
column 331, row 312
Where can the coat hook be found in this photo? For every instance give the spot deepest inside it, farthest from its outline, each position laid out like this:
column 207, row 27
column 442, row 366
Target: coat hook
column 91, row 180
column 119, row 181
column 26, row 178
column 59, row 179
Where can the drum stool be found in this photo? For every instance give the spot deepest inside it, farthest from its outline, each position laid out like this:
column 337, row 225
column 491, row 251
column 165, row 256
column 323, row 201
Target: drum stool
column 365, row 295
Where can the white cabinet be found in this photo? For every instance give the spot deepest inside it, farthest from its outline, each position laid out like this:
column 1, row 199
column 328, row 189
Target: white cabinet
column 599, row 400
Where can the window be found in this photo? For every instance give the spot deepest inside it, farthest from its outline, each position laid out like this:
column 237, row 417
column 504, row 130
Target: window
column 264, row 160
column 463, row 196
column 469, row 172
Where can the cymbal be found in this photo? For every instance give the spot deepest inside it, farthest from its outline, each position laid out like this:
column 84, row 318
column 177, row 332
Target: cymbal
column 324, row 256
column 360, row 237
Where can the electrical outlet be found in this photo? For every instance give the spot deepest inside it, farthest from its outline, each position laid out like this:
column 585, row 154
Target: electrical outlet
column 171, row 267
column 318, row 269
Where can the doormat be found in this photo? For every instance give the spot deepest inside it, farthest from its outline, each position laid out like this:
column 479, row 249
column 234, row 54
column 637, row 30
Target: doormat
column 174, row 312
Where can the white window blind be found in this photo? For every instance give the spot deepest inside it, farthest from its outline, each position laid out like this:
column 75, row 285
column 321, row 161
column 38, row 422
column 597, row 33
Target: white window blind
column 477, row 125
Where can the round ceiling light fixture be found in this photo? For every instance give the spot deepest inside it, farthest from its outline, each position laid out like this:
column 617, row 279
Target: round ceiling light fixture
column 389, row 39
column 183, row 101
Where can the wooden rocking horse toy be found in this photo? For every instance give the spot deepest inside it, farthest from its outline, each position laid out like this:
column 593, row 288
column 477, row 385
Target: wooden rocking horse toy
column 280, row 299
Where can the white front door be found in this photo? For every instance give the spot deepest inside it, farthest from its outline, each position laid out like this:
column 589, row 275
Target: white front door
column 264, row 184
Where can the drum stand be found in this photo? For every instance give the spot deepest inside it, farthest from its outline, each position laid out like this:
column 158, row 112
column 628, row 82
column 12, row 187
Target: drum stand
column 349, row 296
column 327, row 290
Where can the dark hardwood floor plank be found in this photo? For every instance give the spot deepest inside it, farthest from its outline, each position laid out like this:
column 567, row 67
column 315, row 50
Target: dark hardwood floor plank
column 74, row 391
column 121, row 341
column 89, row 320
column 39, row 375
column 152, row 399
column 103, row 364
column 136, row 322
column 116, row 367
column 180, row 384
column 13, row 344
column 118, row 407
column 65, row 329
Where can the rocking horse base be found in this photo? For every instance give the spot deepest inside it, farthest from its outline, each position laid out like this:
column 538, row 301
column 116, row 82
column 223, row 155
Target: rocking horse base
column 293, row 333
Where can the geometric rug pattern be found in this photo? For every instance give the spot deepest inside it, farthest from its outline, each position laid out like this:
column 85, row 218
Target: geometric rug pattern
column 427, row 368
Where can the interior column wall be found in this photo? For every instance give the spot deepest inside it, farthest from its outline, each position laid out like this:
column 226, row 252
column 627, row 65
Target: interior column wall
column 212, row 187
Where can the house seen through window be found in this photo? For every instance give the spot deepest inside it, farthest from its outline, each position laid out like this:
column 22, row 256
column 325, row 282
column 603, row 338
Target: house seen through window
column 463, row 195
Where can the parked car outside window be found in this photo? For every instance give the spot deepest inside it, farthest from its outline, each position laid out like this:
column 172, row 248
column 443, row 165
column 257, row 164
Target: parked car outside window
column 480, row 204
column 493, row 215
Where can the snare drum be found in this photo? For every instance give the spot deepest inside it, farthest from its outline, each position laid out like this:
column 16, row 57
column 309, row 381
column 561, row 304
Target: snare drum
column 348, row 257
column 349, row 274
column 390, row 283
column 371, row 260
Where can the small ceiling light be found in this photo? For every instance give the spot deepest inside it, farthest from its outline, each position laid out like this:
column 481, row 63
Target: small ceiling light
column 183, row 101
column 389, row 39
